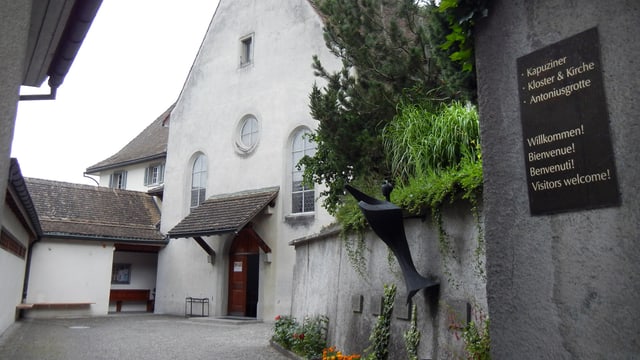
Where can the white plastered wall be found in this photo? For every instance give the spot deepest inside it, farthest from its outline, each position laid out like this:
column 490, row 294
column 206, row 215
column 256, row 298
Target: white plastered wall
column 217, row 95
column 12, row 270
column 135, row 176
column 68, row 271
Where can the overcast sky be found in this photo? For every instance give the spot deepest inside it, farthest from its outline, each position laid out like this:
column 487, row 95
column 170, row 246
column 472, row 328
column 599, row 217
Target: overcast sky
column 130, row 69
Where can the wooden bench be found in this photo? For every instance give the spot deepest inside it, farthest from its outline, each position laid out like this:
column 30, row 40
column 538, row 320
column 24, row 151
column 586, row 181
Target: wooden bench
column 120, row 295
column 53, row 305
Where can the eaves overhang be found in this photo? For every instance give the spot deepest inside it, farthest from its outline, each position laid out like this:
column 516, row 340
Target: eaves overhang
column 224, row 213
column 202, row 232
column 95, row 169
column 16, row 181
column 57, row 31
column 98, row 238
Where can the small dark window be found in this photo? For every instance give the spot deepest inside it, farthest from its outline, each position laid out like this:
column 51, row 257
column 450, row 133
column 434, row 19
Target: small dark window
column 118, row 180
column 246, row 50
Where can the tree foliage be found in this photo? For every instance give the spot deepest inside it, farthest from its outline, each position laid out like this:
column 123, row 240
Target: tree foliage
column 451, row 45
column 388, row 51
column 461, row 16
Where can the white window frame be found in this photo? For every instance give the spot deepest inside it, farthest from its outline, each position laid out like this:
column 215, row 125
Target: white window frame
column 244, row 147
column 118, row 180
column 301, row 146
column 154, row 175
column 198, row 183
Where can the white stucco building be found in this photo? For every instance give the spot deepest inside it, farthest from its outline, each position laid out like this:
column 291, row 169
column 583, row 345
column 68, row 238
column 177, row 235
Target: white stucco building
column 20, row 229
column 96, row 251
column 39, row 41
column 235, row 136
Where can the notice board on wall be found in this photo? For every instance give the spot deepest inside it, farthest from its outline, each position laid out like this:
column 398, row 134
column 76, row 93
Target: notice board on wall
column 568, row 151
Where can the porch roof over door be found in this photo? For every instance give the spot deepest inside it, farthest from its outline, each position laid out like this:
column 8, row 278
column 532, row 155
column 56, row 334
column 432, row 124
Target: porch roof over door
column 224, row 213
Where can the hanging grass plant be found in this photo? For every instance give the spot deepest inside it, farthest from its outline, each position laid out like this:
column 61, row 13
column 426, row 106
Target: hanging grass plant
column 354, row 225
column 435, row 155
column 424, row 138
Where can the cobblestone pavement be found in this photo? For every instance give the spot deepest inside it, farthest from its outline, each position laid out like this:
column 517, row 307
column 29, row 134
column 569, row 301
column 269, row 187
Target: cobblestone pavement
column 137, row 337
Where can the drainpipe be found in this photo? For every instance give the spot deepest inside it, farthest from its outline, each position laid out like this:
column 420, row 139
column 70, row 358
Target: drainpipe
column 84, row 174
column 50, row 96
column 27, row 271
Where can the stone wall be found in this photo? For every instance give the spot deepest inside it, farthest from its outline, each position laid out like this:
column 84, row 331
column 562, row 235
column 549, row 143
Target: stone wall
column 326, row 283
column 560, row 285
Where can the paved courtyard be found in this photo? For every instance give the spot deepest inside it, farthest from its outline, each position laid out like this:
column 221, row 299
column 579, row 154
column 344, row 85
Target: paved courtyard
column 137, row 336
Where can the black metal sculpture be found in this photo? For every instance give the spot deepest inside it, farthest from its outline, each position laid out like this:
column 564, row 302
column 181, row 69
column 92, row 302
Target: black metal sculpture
column 386, row 221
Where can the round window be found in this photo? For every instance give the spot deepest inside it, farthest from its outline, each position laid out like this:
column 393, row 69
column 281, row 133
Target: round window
column 248, row 134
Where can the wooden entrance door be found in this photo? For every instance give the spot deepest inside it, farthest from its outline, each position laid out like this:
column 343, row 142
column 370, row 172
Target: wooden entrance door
column 238, row 285
column 243, row 274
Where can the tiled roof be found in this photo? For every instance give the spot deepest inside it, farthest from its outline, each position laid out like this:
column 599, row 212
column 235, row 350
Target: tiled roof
column 150, row 144
column 224, row 213
column 95, row 213
column 16, row 181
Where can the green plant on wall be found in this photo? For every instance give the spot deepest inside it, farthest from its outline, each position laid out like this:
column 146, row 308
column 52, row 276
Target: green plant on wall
column 474, row 334
column 435, row 152
column 427, row 137
column 379, row 347
column 352, row 234
column 477, row 342
column 412, row 335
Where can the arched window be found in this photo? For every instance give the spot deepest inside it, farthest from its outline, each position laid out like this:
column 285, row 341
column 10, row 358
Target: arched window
column 198, row 181
column 302, row 197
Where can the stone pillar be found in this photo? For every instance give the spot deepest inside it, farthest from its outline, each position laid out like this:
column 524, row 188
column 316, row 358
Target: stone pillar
column 15, row 18
column 563, row 276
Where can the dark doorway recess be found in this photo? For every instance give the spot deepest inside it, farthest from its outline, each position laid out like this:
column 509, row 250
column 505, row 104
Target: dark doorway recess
column 244, row 274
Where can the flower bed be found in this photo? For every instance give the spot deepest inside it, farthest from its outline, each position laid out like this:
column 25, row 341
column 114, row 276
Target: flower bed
column 307, row 339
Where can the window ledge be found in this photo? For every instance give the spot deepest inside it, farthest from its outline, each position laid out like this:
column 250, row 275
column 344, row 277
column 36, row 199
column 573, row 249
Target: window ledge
column 300, row 218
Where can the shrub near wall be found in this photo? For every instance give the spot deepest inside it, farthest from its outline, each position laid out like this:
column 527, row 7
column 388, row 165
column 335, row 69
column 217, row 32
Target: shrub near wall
column 307, row 339
column 325, row 282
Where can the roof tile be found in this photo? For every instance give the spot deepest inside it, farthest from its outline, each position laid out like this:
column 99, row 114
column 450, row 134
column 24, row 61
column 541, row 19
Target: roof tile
column 75, row 210
column 224, row 213
column 150, row 144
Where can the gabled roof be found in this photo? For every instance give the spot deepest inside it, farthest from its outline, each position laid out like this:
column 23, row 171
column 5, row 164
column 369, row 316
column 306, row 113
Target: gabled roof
column 224, row 213
column 150, row 144
column 95, row 213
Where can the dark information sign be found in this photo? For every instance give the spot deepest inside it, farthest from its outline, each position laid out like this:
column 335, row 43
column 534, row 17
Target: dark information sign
column 565, row 127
